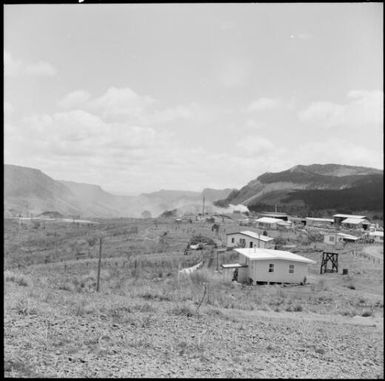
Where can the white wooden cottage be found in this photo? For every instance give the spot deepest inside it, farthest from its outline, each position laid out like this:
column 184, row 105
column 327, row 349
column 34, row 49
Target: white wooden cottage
column 271, row 266
column 249, row 239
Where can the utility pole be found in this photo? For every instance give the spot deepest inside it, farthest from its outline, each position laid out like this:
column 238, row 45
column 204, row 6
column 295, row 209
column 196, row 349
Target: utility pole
column 99, row 264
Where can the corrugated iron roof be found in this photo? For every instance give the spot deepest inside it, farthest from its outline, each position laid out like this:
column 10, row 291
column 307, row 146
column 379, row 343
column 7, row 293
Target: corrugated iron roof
column 232, row 265
column 348, row 216
column 348, row 236
column 265, row 254
column 251, row 234
column 268, row 220
column 354, row 221
column 319, row 219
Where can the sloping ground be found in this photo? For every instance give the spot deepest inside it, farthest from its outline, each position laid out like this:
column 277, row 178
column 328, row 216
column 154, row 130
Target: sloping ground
column 56, row 335
column 376, row 251
column 148, row 322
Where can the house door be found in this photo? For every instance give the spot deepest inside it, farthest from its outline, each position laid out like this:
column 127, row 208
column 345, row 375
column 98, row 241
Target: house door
column 242, row 242
column 251, row 244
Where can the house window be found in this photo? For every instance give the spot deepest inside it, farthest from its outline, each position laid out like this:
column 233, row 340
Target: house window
column 251, row 244
column 232, row 240
column 242, row 242
column 271, row 268
column 331, row 238
column 291, row 269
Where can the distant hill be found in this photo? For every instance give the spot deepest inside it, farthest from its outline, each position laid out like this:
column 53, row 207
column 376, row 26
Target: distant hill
column 215, row 194
column 299, row 189
column 29, row 190
column 313, row 187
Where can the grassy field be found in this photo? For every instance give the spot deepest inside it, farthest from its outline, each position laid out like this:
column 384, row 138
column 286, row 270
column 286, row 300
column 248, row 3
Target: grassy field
column 150, row 320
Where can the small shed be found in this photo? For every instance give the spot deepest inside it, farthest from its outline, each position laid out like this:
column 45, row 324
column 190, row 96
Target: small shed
column 249, row 239
column 266, row 265
column 378, row 236
column 339, row 238
column 234, row 271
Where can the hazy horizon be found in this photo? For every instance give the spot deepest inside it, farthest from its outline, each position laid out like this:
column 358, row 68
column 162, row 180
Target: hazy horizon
column 142, row 97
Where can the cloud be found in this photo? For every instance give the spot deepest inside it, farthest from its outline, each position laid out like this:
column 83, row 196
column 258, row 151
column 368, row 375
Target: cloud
column 79, row 145
column 117, row 102
column 262, row 104
column 363, row 109
column 76, row 133
column 15, row 67
column 75, row 99
column 125, row 105
column 113, row 138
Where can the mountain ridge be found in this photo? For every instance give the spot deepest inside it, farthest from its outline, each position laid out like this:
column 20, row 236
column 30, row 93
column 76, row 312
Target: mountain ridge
column 272, row 188
column 29, row 190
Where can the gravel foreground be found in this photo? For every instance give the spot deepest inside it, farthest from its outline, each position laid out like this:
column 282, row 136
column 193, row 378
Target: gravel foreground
column 159, row 340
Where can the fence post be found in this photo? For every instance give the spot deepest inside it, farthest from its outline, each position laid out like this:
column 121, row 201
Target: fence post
column 99, row 265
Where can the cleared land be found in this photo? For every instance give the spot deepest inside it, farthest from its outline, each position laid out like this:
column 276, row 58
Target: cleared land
column 149, row 322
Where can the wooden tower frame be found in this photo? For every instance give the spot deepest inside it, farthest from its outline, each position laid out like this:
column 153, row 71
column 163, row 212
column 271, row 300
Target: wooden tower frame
column 333, row 258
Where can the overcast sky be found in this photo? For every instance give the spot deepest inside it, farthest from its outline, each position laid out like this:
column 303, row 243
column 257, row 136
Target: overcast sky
column 138, row 98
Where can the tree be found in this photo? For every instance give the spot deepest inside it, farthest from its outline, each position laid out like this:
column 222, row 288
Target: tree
column 146, row 214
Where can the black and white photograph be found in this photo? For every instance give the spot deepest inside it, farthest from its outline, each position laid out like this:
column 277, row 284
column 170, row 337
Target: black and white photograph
column 193, row 190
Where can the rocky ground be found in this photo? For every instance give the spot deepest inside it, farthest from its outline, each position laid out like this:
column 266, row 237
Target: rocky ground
column 162, row 339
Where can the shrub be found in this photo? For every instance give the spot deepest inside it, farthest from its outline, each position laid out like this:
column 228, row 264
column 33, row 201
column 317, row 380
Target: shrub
column 67, row 286
column 23, row 308
column 184, row 310
column 367, row 313
column 19, row 279
column 201, row 239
